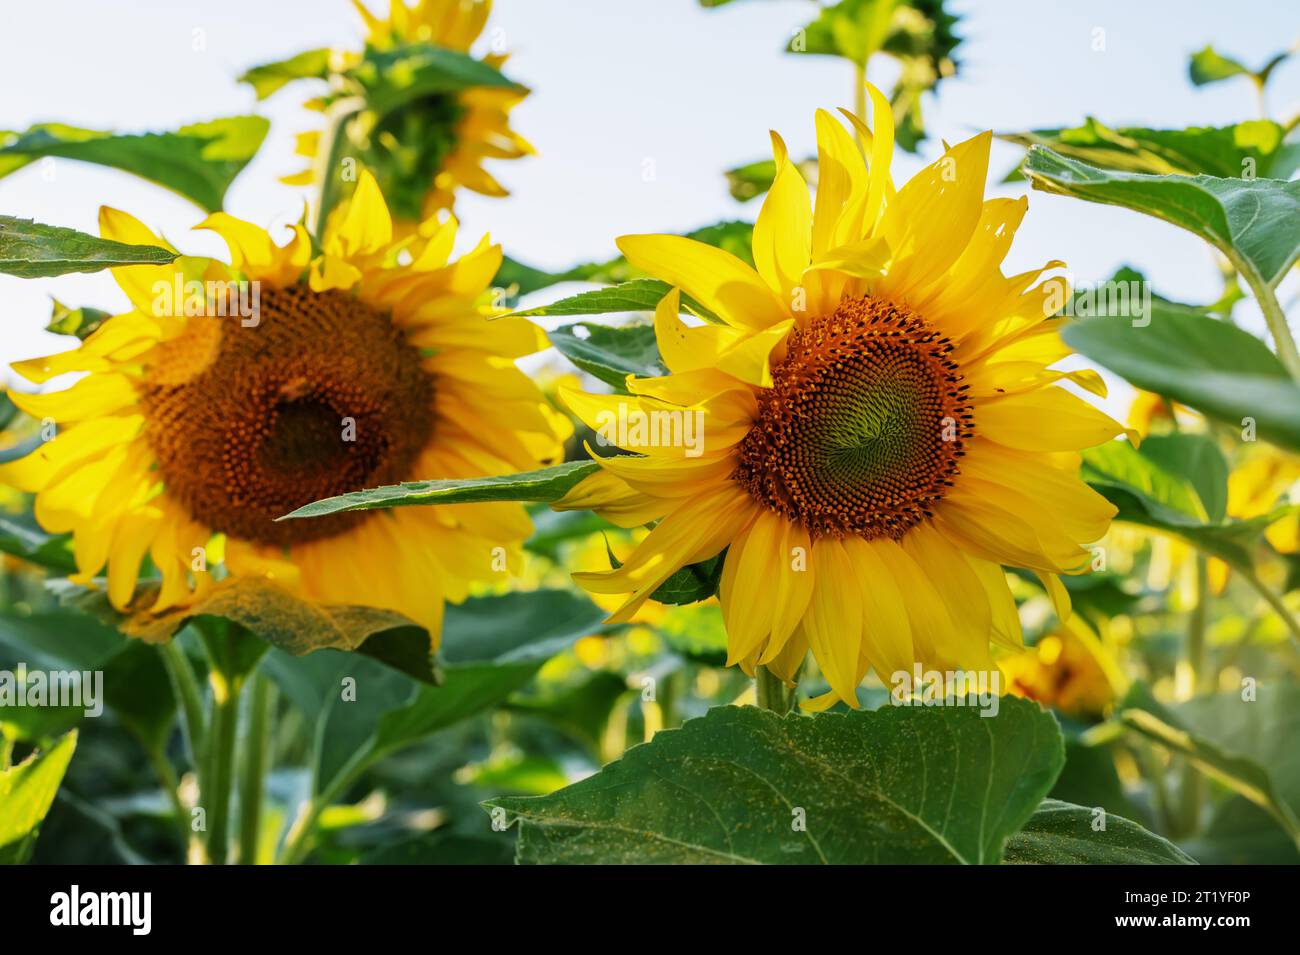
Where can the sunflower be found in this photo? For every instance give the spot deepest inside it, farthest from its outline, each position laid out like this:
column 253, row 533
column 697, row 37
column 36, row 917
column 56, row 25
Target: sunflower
column 1065, row 671
column 369, row 363
column 876, row 426
column 436, row 144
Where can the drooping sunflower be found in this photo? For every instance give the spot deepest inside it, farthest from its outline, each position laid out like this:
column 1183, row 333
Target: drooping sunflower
column 425, row 150
column 369, row 363
column 882, row 430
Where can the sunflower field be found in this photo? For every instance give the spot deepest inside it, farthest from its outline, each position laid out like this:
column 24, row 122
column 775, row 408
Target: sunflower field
column 361, row 502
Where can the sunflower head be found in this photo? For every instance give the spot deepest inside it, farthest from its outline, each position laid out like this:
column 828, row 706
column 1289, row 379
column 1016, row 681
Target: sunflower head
column 883, row 430
column 421, row 147
column 230, row 395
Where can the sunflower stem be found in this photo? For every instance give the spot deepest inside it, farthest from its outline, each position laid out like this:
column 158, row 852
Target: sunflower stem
column 233, row 653
column 1274, row 600
column 1283, row 340
column 186, row 687
column 327, row 173
column 771, row 692
column 256, row 764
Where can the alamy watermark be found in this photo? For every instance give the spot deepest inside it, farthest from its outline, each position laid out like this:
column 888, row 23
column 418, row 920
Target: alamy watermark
column 83, row 689
column 921, row 687
column 1122, row 298
column 631, row 429
column 214, row 298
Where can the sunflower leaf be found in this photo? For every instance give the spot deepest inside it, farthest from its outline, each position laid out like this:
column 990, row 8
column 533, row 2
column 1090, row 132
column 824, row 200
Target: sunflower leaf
column 1060, row 833
column 198, row 161
column 270, row 77
column 491, row 647
column 1251, row 221
column 31, row 250
column 1257, row 147
column 1146, row 492
column 394, row 77
column 544, row 485
column 900, row 784
column 1199, row 361
column 81, row 322
column 610, row 353
column 26, row 794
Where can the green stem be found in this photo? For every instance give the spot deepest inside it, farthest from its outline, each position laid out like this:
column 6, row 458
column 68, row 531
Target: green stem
column 771, row 692
column 1276, row 318
column 860, row 90
column 220, row 763
column 186, row 687
column 327, row 174
column 298, row 842
column 256, row 764
column 162, row 768
column 1192, row 790
column 6, row 751
column 1274, row 600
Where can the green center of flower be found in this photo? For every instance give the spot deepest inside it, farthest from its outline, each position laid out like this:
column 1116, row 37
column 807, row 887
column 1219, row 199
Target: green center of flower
column 862, row 429
column 322, row 396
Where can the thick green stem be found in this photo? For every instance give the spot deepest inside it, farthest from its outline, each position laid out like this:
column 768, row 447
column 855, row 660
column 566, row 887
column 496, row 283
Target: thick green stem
column 256, row 764
column 1276, row 318
column 771, row 692
column 186, row 687
column 220, row 764
column 328, row 176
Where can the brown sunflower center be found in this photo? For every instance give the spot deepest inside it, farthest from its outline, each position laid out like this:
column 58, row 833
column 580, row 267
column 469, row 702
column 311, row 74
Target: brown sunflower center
column 862, row 429
column 321, row 397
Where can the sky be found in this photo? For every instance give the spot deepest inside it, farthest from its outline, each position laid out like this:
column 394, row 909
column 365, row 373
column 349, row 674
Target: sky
column 620, row 86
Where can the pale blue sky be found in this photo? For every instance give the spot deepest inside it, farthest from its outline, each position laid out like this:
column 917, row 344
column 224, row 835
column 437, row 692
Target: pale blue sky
column 616, row 83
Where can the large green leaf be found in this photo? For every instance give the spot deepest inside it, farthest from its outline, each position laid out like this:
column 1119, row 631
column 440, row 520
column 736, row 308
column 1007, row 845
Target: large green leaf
column 1257, row 146
column 742, row 785
column 31, row 250
column 198, row 161
column 636, row 295
column 1251, row 221
column 26, row 793
column 544, row 485
column 1246, row 744
column 1197, row 360
column 1146, row 493
column 1060, row 833
column 270, row 77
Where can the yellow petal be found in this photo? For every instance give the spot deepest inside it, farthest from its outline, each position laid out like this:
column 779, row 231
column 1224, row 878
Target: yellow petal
column 716, row 279
column 783, row 232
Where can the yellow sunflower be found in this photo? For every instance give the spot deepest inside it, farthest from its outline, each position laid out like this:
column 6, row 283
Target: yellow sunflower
column 875, row 425
column 200, row 420
column 427, row 149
